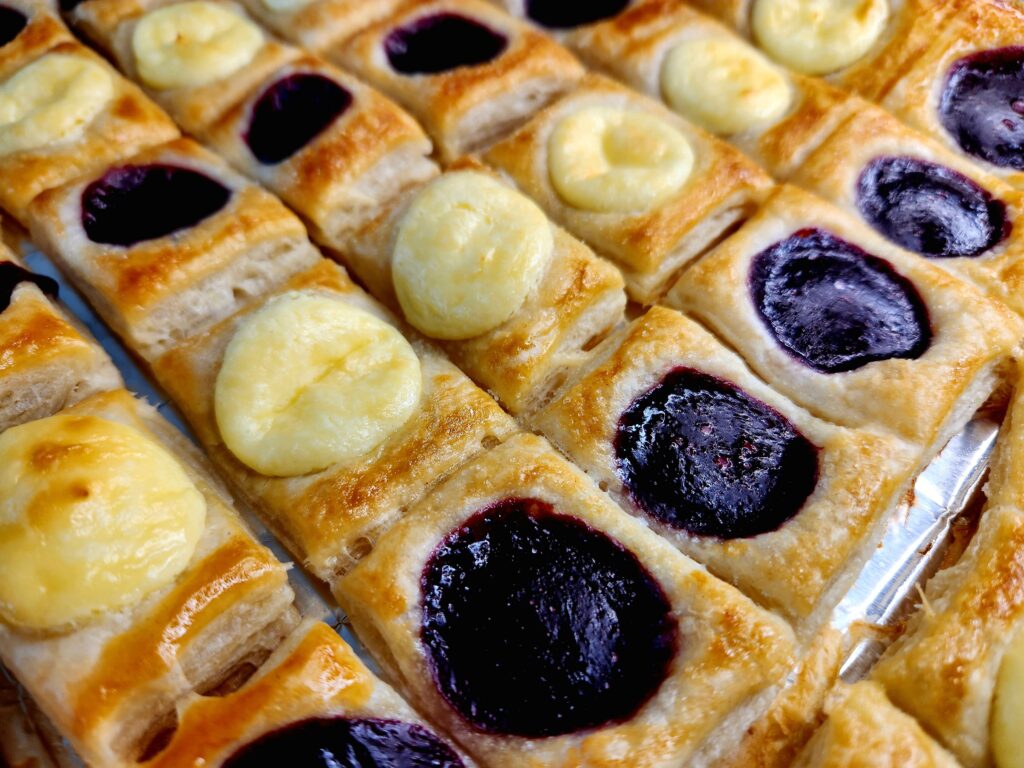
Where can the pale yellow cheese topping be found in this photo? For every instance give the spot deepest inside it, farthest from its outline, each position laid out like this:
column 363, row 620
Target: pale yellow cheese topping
column 1008, row 708
column 310, row 381
column 817, row 37
column 468, row 253
column 53, row 99
column 617, row 161
column 94, row 516
column 724, row 85
column 192, row 44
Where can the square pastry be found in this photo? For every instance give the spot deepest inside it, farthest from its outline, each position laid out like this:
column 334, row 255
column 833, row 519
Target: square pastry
column 48, row 361
column 312, row 703
column 959, row 667
column 857, row 331
column 864, row 729
column 715, row 79
column 964, row 89
column 332, row 148
column 769, row 498
column 169, row 48
column 324, row 417
column 168, row 242
column 924, row 198
column 469, row 261
column 468, row 71
column 73, row 114
column 636, row 182
column 539, row 625
column 28, row 29
column 184, row 596
column 318, row 25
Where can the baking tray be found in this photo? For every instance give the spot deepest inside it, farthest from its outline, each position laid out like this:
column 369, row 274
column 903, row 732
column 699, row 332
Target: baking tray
column 885, row 592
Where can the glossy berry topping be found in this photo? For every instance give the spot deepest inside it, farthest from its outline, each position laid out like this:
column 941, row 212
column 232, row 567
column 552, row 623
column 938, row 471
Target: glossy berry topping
column 12, row 275
column 440, row 42
column 567, row 14
column 133, row 203
column 291, row 113
column 982, row 106
column 704, row 457
column 835, row 307
column 930, row 209
column 536, row 624
column 12, row 21
column 342, row 742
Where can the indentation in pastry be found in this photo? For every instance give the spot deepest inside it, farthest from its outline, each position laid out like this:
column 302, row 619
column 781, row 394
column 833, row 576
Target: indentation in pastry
column 817, row 37
column 982, row 106
column 292, row 112
column 440, row 42
column 1008, row 708
column 835, row 307
column 536, row 624
column 468, row 253
column 133, row 203
column 350, row 742
column 568, row 14
column 702, row 456
column 310, row 381
column 12, row 275
column 930, row 209
column 614, row 160
column 93, row 517
column 53, row 99
column 192, row 44
column 12, row 21
column 724, row 85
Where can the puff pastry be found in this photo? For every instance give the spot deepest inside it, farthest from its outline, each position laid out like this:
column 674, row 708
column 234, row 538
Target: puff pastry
column 979, row 210
column 111, row 683
column 730, row 658
column 946, row 355
column 653, row 242
column 319, row 25
column 313, row 675
column 864, row 729
column 331, row 518
column 799, row 568
column 120, row 123
column 339, row 179
column 1005, row 485
column 48, row 361
column 167, row 286
column 777, row 130
column 915, row 92
column 464, row 108
column 42, row 31
column 575, row 301
column 944, row 669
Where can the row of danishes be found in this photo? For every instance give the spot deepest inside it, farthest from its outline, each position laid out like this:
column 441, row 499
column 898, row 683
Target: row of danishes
column 383, row 467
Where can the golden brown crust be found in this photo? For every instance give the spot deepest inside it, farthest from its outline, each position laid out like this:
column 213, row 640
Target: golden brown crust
column 331, row 518
column 159, row 291
column 924, row 400
column 733, row 653
column 467, row 108
column 320, row 25
column 799, row 570
column 129, row 123
column 1005, row 485
column 864, row 730
column 43, row 32
column 108, row 682
column 651, row 247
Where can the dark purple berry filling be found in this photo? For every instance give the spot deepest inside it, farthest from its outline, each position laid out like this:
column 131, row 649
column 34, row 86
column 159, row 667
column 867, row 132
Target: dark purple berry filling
column 12, row 21
column 133, row 203
column 12, row 275
column 291, row 113
column 930, row 209
column 567, row 14
column 982, row 106
column 704, row 457
column 835, row 307
column 536, row 624
column 341, row 742
column 440, row 42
